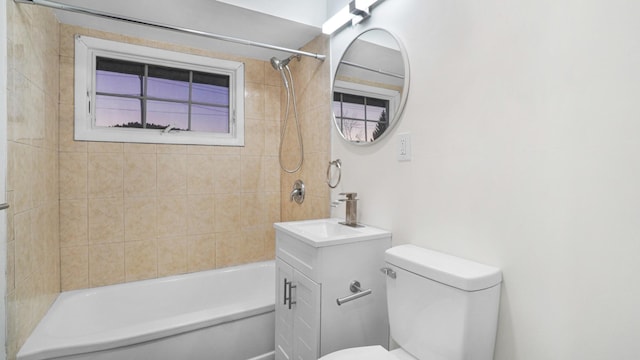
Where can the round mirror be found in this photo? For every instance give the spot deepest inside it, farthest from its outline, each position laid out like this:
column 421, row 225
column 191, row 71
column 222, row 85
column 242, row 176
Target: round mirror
column 370, row 87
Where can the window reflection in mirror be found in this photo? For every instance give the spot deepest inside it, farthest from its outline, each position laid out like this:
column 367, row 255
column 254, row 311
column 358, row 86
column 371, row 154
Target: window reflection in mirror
column 370, row 87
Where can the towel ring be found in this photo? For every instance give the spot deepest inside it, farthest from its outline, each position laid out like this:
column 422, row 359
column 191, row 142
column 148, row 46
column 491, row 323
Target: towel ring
column 337, row 163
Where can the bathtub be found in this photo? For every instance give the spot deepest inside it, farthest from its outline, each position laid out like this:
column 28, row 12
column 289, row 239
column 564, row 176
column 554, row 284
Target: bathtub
column 221, row 314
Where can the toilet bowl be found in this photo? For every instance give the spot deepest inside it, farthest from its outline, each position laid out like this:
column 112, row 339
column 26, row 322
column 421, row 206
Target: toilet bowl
column 441, row 307
column 376, row 352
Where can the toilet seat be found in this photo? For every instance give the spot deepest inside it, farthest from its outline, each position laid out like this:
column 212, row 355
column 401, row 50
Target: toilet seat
column 375, row 352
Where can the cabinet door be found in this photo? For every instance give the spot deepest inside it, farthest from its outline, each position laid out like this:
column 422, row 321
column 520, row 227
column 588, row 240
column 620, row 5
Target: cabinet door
column 306, row 318
column 284, row 316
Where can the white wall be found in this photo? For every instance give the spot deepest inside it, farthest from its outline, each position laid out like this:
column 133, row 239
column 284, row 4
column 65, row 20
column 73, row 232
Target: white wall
column 525, row 125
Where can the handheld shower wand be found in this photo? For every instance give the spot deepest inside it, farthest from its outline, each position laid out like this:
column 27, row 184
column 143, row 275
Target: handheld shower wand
column 287, row 78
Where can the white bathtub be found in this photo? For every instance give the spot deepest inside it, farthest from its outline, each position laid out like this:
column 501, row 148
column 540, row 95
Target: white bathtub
column 221, row 314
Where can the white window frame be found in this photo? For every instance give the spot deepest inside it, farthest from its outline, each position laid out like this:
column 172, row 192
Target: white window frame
column 392, row 96
column 86, row 51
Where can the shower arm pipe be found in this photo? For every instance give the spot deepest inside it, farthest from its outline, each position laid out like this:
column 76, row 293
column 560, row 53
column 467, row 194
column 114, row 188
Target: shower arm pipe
column 80, row 10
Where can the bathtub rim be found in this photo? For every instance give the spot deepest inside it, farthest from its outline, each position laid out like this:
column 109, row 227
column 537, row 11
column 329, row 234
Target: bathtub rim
column 52, row 347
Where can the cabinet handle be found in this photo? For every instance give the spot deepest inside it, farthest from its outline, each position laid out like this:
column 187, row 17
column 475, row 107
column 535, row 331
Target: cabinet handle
column 285, row 291
column 290, row 285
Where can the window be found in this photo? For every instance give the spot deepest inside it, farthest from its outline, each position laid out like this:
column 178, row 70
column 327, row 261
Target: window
column 131, row 93
column 361, row 118
column 362, row 112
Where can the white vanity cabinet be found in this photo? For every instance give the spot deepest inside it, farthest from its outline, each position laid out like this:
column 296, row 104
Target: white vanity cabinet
column 316, row 261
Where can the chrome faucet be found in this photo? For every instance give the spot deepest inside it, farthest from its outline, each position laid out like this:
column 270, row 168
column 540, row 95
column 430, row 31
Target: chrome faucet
column 351, row 217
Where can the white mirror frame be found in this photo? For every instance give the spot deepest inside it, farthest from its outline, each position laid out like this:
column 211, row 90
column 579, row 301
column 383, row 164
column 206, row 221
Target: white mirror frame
column 394, row 117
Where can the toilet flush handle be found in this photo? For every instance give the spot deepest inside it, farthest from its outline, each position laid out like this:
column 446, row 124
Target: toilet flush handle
column 389, row 272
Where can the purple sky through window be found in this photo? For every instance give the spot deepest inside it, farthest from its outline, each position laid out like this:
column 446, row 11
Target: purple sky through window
column 119, row 88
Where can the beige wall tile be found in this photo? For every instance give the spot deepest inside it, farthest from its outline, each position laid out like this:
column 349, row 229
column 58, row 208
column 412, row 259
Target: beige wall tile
column 200, row 214
column 254, row 137
column 172, row 174
column 73, row 175
column 254, row 100
column 65, row 131
column 172, row 216
column 200, row 176
column 141, row 260
column 140, row 218
column 66, row 80
column 33, row 243
column 234, row 248
column 272, row 138
column 227, row 172
column 171, row 149
column 172, row 256
column 201, row 252
column 139, row 174
column 272, row 105
column 20, row 174
column 272, row 204
column 252, row 174
column 253, row 209
column 24, row 246
column 74, row 223
column 254, row 71
column 74, row 267
column 140, row 148
column 105, row 174
column 271, row 76
column 106, row 264
column 106, row 220
column 228, row 212
column 105, row 147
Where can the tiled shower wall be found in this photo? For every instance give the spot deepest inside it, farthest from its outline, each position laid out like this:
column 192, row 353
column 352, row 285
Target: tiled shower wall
column 311, row 84
column 33, row 261
column 137, row 211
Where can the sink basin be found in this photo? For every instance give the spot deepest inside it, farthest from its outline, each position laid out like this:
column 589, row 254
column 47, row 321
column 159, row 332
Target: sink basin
column 326, row 232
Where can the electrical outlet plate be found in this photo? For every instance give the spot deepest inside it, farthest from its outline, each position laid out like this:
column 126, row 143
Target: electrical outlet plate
column 404, row 147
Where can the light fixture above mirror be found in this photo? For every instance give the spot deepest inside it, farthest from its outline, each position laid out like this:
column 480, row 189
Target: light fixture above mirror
column 354, row 13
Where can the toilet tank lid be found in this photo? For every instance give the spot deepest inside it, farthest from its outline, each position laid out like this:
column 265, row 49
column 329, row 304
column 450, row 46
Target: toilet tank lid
column 447, row 269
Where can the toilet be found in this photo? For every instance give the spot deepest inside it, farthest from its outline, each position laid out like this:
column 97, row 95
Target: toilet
column 441, row 307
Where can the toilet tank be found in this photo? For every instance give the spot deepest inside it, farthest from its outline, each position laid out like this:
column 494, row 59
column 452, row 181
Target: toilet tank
column 442, row 307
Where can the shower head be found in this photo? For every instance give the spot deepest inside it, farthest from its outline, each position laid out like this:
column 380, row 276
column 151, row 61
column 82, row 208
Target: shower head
column 279, row 64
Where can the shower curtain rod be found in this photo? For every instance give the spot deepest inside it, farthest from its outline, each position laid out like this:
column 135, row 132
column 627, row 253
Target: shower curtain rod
column 76, row 9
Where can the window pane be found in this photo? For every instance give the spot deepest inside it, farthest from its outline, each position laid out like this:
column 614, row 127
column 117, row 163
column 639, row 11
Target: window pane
column 374, row 112
column 168, row 83
column 119, row 77
column 118, row 111
column 353, row 130
column 353, row 111
column 210, row 88
column 210, row 119
column 161, row 114
column 337, row 109
column 369, row 130
column 210, row 94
